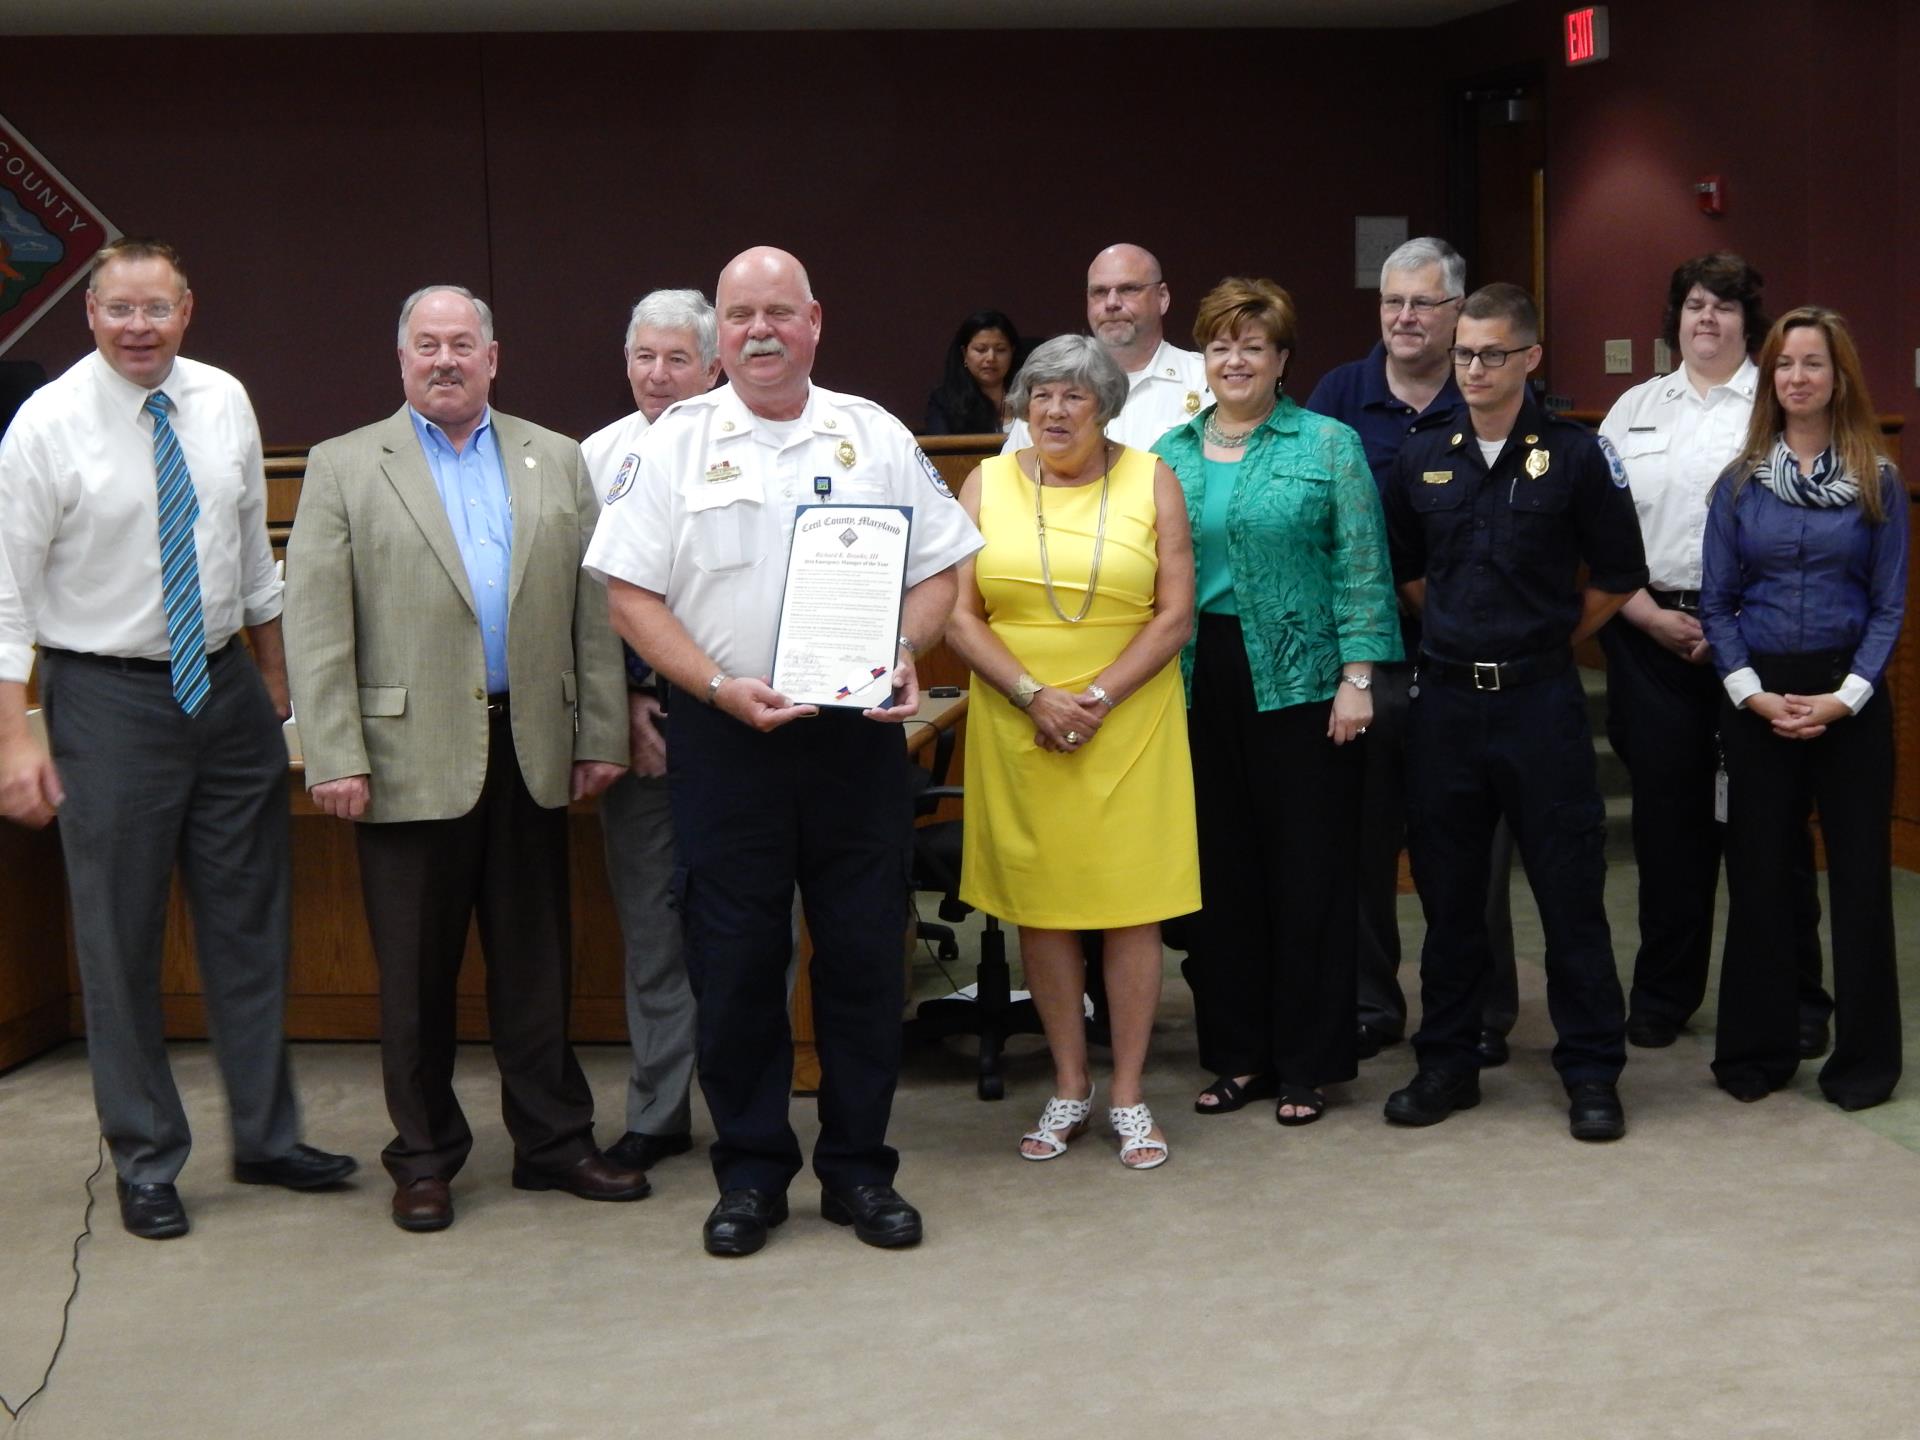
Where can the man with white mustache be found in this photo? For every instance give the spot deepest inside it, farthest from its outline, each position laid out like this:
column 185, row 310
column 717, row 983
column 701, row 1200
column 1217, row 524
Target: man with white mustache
column 766, row 793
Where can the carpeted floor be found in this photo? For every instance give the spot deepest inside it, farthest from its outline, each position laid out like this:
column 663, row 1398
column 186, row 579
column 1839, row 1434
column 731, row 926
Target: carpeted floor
column 1726, row 1271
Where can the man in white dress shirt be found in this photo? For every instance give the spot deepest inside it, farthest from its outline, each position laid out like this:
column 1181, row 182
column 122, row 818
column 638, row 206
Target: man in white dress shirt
column 672, row 353
column 1127, row 302
column 168, row 734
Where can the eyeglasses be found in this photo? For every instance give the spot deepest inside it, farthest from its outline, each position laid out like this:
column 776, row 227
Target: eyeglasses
column 1492, row 359
column 1132, row 290
column 158, row 311
column 1421, row 305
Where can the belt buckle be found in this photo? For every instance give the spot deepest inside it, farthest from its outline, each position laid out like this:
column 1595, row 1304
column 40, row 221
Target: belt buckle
column 1486, row 675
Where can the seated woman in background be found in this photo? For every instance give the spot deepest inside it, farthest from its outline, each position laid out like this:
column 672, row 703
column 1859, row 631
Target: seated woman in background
column 1296, row 602
column 1804, row 589
column 1079, row 793
column 971, row 398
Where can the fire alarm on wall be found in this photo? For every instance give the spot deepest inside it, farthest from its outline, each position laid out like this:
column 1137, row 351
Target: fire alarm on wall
column 1713, row 195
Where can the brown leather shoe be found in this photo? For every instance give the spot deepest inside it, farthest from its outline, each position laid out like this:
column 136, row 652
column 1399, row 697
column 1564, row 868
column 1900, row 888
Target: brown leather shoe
column 594, row 1177
column 423, row 1205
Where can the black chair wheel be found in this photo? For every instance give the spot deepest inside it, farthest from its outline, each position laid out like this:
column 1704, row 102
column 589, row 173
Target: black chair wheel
column 992, row 1087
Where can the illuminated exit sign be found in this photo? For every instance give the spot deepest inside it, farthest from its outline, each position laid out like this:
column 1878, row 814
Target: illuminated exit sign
column 1587, row 38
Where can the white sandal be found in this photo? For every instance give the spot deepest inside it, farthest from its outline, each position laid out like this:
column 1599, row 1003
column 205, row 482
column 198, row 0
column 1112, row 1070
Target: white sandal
column 1061, row 1121
column 1133, row 1124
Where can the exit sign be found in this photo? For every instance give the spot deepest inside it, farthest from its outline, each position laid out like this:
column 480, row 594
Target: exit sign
column 1587, row 38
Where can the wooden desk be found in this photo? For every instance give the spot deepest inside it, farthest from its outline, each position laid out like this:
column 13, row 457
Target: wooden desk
column 333, row 985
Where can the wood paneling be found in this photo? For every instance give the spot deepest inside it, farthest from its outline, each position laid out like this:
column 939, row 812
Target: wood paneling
column 33, row 944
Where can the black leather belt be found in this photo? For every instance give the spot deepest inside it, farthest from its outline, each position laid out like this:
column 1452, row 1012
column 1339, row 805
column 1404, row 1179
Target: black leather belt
column 1685, row 601
column 1496, row 674
column 126, row 664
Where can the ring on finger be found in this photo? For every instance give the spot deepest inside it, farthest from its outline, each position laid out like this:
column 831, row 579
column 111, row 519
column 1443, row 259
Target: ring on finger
column 1073, row 737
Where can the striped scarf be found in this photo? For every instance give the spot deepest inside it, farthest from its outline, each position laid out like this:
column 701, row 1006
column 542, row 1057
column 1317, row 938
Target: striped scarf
column 1827, row 488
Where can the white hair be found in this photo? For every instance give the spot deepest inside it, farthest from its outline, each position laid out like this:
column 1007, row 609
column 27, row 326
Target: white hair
column 678, row 310
column 1427, row 250
column 480, row 306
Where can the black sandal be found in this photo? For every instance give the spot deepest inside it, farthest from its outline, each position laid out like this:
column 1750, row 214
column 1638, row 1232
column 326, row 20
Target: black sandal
column 1230, row 1095
column 1308, row 1105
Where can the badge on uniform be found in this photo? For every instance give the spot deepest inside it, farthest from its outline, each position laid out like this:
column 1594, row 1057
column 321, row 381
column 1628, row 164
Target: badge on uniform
column 623, row 482
column 720, row 472
column 1193, row 400
column 1436, row 477
column 1537, row 463
column 843, row 452
column 933, row 473
column 1616, row 467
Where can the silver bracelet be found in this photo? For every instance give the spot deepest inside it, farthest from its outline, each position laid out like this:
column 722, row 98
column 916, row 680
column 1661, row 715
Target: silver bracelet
column 1100, row 694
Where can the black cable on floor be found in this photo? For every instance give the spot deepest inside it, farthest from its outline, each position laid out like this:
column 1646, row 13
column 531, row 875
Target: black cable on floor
column 14, row 1412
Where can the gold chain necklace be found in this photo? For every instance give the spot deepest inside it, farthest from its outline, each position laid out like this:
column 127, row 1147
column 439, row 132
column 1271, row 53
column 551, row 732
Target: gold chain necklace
column 1099, row 537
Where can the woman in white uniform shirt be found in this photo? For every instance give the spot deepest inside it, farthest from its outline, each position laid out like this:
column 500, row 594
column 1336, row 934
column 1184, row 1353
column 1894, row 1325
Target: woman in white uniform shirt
column 1676, row 433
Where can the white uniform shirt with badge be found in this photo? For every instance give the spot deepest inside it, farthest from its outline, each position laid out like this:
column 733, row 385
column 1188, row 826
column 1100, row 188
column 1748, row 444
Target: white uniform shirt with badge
column 80, row 514
column 707, row 519
column 608, row 452
column 1169, row 392
column 1674, row 444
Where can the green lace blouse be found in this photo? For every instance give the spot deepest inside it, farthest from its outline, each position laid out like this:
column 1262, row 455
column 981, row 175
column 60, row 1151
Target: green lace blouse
column 1307, row 545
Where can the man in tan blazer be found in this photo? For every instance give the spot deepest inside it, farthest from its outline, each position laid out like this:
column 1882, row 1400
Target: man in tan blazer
column 456, row 683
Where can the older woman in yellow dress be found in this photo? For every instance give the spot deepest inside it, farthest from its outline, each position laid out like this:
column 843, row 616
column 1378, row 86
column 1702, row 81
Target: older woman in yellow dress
column 1079, row 790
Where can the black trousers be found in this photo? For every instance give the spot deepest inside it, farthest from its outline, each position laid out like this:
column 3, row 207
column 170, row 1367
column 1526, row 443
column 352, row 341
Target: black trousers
column 1383, row 831
column 503, row 863
column 1278, row 812
column 822, row 803
column 1849, row 772
column 1525, row 752
column 1663, row 717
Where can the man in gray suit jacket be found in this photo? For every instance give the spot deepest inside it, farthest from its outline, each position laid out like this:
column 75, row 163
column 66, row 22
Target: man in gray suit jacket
column 456, row 683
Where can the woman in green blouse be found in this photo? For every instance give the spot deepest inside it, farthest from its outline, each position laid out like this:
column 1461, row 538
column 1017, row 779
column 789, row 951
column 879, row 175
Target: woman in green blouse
column 1295, row 602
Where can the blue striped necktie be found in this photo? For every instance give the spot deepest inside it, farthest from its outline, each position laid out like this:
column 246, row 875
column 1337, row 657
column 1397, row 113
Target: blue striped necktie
column 179, row 563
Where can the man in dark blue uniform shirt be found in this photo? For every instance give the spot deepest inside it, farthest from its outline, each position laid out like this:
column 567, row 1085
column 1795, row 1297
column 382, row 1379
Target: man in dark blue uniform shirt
column 1490, row 521
column 1403, row 386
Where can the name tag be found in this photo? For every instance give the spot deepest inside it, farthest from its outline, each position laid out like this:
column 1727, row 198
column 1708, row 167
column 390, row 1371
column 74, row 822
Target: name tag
column 721, row 472
column 1436, row 477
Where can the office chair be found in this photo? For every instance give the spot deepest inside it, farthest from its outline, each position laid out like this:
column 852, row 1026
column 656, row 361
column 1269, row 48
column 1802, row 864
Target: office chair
column 991, row 1014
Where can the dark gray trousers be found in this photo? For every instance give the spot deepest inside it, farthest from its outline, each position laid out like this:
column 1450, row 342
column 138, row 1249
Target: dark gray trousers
column 148, row 787
column 637, row 821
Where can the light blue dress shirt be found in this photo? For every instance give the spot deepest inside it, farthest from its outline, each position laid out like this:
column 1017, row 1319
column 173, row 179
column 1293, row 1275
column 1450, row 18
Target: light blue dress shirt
column 473, row 486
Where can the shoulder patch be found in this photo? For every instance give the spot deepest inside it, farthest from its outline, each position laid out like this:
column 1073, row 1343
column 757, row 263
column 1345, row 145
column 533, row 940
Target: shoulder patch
column 933, row 472
column 623, row 482
column 1616, row 467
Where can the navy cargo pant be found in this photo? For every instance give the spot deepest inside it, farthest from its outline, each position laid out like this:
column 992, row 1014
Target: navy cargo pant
column 821, row 803
column 1525, row 752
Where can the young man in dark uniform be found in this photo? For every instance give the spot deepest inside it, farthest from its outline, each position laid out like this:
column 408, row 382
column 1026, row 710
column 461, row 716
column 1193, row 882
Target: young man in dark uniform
column 1490, row 520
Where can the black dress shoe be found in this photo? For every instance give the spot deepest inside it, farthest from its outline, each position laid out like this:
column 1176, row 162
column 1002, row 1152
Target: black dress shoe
column 153, row 1212
column 1594, row 1111
column 1651, row 1032
column 740, row 1219
column 1491, row 1047
column 1370, row 1040
column 876, row 1212
column 301, row 1168
column 1814, row 1038
column 635, row 1151
column 1432, row 1095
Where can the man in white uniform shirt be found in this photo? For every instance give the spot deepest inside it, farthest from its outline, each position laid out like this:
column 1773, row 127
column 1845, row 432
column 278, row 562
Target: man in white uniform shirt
column 765, row 793
column 672, row 352
column 1127, row 304
column 133, row 517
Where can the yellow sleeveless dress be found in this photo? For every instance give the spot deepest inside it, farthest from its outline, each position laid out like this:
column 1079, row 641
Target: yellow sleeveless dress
column 1104, row 837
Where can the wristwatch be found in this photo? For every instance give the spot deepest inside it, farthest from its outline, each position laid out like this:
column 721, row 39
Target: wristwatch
column 1358, row 682
column 713, row 687
column 1099, row 693
column 907, row 645
column 1023, row 691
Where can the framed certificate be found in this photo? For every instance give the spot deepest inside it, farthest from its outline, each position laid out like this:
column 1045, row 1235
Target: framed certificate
column 840, row 613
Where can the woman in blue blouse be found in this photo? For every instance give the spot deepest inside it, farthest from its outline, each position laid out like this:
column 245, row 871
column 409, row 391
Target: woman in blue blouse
column 1296, row 603
column 1805, row 584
